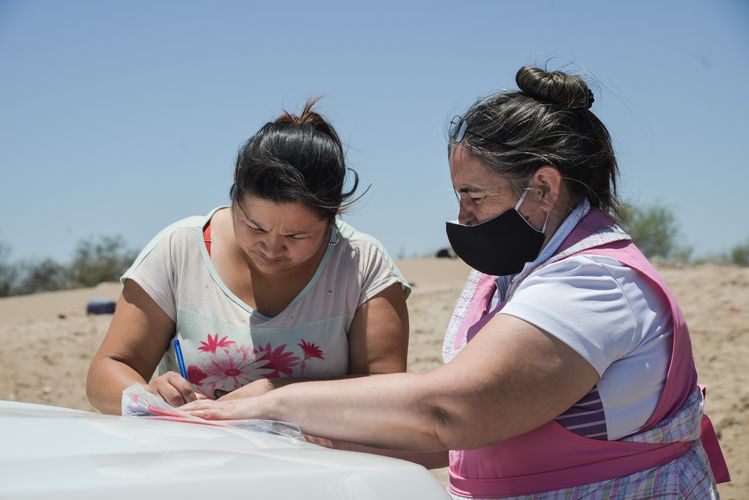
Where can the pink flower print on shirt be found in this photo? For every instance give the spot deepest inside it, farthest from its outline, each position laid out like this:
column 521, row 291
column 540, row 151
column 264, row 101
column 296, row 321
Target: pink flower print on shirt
column 230, row 368
column 214, row 343
column 195, row 375
column 310, row 350
column 279, row 360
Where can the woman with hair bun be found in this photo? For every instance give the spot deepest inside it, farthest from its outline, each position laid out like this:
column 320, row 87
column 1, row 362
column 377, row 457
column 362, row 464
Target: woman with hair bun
column 568, row 366
column 267, row 291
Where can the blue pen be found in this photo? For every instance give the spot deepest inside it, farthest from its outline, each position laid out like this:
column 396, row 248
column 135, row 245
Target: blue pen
column 180, row 359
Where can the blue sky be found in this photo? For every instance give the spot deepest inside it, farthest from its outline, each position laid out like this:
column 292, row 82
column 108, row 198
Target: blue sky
column 121, row 117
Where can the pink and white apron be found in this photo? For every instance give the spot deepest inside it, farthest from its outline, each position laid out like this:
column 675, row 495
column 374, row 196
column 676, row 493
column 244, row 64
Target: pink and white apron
column 523, row 465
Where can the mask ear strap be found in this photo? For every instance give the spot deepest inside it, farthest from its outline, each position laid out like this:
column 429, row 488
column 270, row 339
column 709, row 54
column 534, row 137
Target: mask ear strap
column 520, row 202
column 522, row 198
column 543, row 229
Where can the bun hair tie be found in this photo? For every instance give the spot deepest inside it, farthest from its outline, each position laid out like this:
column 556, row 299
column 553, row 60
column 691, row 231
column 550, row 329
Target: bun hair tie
column 591, row 99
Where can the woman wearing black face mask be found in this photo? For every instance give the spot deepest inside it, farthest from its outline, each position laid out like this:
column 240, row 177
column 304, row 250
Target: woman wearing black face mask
column 569, row 370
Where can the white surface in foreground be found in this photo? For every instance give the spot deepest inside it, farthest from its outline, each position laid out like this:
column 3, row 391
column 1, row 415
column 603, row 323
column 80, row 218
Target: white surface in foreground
column 50, row 452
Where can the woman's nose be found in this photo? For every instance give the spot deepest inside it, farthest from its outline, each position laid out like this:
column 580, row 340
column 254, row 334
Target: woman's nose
column 465, row 215
column 274, row 245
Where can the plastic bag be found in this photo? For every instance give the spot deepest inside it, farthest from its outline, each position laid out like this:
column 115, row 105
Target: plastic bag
column 138, row 402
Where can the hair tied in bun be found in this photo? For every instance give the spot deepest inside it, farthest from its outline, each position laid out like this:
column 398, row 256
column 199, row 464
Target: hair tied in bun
column 591, row 99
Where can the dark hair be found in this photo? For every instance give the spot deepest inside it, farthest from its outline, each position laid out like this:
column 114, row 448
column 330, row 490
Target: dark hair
column 547, row 122
column 295, row 159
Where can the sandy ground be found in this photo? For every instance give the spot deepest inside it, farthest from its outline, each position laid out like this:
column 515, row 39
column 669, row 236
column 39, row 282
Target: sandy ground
column 47, row 342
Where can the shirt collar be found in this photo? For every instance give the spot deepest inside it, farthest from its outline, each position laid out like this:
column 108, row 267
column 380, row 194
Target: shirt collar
column 564, row 230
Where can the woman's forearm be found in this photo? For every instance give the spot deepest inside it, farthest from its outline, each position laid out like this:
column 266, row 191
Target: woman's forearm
column 383, row 410
column 106, row 380
column 503, row 384
column 386, row 411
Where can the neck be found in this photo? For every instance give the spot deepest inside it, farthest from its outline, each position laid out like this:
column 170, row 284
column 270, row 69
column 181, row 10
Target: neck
column 562, row 209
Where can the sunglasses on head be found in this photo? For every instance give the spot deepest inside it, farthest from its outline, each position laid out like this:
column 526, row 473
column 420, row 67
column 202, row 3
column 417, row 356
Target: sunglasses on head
column 459, row 128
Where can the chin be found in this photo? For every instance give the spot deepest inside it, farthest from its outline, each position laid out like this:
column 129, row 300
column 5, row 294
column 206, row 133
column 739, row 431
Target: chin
column 271, row 266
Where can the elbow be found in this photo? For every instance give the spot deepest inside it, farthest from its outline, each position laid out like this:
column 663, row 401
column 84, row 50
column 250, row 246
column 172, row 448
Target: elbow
column 453, row 433
column 96, row 388
column 443, row 428
column 91, row 384
column 464, row 425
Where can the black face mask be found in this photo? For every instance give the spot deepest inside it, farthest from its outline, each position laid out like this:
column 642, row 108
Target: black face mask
column 498, row 246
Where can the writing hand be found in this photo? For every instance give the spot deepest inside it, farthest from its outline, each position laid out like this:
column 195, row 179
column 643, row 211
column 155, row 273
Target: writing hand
column 174, row 389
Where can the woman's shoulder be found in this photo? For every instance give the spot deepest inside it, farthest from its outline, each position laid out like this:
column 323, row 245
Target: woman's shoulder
column 580, row 285
column 365, row 255
column 358, row 241
column 583, row 266
column 172, row 240
column 183, row 227
column 350, row 233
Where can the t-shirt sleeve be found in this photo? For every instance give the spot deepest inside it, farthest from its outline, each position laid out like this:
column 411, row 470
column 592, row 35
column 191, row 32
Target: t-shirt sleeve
column 378, row 271
column 581, row 303
column 154, row 270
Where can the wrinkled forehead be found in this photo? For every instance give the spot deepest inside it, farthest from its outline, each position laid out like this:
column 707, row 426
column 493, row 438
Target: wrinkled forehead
column 468, row 170
column 283, row 213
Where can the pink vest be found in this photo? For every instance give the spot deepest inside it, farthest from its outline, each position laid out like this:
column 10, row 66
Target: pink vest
column 551, row 457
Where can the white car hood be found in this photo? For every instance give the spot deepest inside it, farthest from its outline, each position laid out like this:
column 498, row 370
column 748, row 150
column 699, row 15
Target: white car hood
column 50, row 452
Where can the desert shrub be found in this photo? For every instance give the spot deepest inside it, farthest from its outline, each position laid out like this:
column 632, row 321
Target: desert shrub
column 655, row 231
column 100, row 259
column 8, row 272
column 740, row 254
column 95, row 260
column 44, row 276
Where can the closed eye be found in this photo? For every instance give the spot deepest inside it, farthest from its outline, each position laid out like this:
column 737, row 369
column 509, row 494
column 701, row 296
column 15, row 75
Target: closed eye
column 297, row 237
column 470, row 195
column 255, row 228
column 472, row 199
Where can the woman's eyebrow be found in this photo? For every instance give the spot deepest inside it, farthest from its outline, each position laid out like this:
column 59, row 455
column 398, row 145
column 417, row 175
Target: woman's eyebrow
column 291, row 232
column 250, row 219
column 469, row 189
column 296, row 233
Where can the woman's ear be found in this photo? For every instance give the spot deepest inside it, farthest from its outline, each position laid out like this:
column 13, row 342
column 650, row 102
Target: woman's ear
column 546, row 185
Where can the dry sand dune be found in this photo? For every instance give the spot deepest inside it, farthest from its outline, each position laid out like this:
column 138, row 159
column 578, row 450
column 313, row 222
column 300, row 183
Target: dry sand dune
column 47, row 342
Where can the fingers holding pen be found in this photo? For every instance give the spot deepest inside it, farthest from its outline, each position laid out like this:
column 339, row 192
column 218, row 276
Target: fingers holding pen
column 174, row 389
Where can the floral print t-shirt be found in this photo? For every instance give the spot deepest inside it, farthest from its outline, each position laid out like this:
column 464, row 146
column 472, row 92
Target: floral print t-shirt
column 226, row 343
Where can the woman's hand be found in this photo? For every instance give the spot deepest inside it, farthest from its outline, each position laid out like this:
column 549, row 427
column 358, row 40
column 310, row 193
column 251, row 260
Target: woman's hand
column 224, row 408
column 174, row 389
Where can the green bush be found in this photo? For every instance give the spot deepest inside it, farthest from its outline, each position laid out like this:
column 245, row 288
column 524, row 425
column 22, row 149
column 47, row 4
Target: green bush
column 740, row 254
column 8, row 272
column 655, row 231
column 95, row 260
column 45, row 276
column 100, row 259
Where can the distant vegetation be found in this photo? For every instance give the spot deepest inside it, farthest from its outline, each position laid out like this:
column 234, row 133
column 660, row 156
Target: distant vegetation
column 654, row 229
column 95, row 260
column 655, row 232
column 740, row 254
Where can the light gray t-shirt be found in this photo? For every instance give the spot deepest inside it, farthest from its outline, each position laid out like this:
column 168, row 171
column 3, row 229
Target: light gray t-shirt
column 226, row 343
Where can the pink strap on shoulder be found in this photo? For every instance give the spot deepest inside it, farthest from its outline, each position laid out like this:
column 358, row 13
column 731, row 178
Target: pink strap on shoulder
column 681, row 379
column 207, row 237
